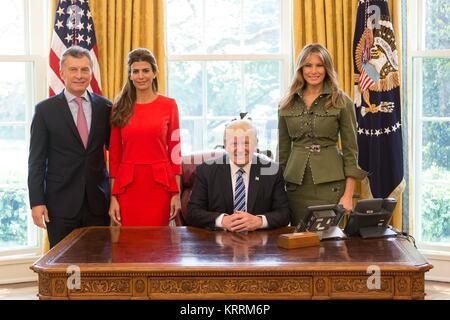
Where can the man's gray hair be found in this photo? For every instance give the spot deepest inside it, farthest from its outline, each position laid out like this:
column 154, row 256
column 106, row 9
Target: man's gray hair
column 240, row 124
column 76, row 52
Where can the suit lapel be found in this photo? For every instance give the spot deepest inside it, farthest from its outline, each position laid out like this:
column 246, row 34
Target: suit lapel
column 227, row 185
column 94, row 120
column 253, row 185
column 67, row 115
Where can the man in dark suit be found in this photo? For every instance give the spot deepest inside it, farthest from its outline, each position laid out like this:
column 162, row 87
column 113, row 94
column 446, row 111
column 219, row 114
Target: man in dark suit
column 239, row 191
column 67, row 178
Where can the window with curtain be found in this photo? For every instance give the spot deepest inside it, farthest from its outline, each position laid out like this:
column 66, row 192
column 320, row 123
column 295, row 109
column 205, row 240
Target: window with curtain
column 430, row 127
column 226, row 57
column 22, row 63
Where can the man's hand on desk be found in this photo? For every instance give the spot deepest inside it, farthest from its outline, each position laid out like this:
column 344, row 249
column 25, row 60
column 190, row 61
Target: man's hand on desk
column 242, row 221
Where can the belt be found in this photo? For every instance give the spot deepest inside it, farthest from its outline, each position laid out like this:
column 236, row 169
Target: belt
column 316, row 147
column 313, row 148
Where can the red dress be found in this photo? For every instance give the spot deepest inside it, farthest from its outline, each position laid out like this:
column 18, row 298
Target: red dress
column 144, row 159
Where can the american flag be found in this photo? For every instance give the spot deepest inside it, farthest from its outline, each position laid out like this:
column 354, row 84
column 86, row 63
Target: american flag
column 365, row 81
column 73, row 26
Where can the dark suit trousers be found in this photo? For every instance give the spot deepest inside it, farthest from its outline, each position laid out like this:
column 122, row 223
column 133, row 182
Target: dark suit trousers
column 58, row 228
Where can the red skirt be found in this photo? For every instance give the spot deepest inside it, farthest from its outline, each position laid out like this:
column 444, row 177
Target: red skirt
column 144, row 202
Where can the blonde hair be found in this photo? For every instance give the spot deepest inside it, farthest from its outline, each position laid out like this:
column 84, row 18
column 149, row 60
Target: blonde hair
column 299, row 84
column 240, row 126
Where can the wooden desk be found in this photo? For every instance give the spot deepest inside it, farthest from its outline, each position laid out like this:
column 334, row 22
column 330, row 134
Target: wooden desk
column 190, row 263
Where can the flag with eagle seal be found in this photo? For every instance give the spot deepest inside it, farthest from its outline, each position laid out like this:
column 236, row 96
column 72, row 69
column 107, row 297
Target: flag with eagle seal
column 377, row 98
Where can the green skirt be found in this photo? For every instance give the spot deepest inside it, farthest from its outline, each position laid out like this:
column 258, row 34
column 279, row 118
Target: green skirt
column 308, row 194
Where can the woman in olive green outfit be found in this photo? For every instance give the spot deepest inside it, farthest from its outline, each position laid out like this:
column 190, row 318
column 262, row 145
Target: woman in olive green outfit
column 312, row 116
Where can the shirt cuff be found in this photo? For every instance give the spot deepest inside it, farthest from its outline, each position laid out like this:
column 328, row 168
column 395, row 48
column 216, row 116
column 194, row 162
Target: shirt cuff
column 219, row 221
column 265, row 224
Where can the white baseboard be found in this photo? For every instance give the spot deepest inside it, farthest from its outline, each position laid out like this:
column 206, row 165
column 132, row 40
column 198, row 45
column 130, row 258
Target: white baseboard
column 439, row 257
column 440, row 271
column 17, row 273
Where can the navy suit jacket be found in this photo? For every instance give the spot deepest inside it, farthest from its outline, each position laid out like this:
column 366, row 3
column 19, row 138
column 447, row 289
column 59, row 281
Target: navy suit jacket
column 60, row 170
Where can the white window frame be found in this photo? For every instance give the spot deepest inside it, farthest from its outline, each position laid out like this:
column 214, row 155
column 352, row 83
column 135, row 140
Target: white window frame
column 36, row 52
column 437, row 253
column 285, row 58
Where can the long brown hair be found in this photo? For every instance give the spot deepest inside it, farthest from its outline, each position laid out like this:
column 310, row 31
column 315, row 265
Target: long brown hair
column 298, row 83
column 124, row 103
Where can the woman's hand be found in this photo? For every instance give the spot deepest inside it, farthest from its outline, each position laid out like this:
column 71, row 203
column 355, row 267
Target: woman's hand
column 347, row 203
column 175, row 206
column 114, row 211
column 347, row 199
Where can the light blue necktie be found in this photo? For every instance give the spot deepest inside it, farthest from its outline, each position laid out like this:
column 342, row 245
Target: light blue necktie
column 239, row 192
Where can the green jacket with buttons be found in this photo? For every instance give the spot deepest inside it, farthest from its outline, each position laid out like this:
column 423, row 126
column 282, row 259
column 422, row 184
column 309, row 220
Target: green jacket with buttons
column 300, row 128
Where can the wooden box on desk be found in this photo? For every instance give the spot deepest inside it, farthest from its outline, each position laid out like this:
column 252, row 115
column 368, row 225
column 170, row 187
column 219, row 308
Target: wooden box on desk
column 298, row 240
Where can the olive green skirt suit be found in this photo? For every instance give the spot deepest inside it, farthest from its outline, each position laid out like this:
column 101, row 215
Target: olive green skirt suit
column 315, row 169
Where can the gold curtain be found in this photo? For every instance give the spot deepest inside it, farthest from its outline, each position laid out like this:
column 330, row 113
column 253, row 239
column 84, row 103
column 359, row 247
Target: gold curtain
column 332, row 24
column 121, row 26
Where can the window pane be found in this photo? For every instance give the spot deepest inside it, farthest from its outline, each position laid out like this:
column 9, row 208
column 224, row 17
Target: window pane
column 12, row 27
column 433, row 182
column 185, row 85
column 436, row 208
column 185, row 26
column 13, row 93
column 14, row 208
column 435, row 146
column 436, row 86
column 13, row 148
column 435, row 189
column 215, row 132
column 262, row 26
column 14, row 215
column 223, row 26
column 191, row 135
column 225, row 85
column 267, row 131
column 437, row 33
column 238, row 26
column 262, row 88
column 224, row 88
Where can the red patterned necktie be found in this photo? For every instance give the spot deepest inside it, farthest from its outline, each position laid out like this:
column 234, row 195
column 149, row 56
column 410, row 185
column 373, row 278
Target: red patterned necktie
column 82, row 123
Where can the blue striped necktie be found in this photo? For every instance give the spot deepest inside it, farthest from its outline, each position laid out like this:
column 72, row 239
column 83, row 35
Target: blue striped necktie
column 239, row 192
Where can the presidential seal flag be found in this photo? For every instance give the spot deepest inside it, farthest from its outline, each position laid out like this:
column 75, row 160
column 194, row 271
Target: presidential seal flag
column 377, row 98
column 73, row 26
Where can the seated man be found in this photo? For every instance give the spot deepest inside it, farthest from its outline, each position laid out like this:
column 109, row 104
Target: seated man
column 240, row 191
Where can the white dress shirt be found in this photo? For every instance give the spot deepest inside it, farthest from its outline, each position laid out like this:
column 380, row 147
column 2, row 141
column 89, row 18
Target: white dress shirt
column 246, row 177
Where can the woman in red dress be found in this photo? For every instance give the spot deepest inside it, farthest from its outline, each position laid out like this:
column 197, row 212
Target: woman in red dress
column 144, row 153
